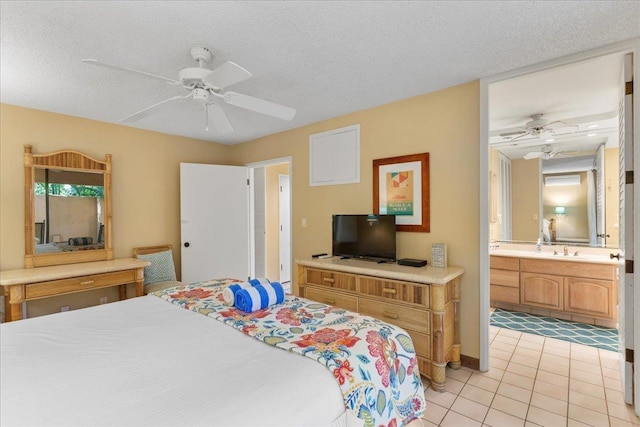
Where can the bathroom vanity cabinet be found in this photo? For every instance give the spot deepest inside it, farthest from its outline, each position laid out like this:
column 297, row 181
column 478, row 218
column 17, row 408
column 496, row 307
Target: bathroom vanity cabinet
column 569, row 289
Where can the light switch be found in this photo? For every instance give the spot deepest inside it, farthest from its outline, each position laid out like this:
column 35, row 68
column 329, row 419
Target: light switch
column 304, row 222
column 535, row 216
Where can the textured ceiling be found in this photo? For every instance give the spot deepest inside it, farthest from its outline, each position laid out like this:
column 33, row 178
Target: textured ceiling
column 325, row 59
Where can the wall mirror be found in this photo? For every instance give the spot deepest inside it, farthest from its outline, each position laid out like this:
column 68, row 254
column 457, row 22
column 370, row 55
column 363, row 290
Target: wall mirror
column 67, row 208
column 572, row 199
column 555, row 162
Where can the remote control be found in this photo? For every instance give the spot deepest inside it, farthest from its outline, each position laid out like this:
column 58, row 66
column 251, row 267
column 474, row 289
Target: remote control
column 318, row 255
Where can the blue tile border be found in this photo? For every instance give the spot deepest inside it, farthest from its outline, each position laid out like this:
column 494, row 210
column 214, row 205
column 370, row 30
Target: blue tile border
column 581, row 333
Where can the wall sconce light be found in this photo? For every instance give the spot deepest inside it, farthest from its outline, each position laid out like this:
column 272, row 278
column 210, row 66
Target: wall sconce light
column 560, row 211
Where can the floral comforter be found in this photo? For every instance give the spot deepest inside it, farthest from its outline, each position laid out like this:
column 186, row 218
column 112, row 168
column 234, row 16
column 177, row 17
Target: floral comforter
column 373, row 362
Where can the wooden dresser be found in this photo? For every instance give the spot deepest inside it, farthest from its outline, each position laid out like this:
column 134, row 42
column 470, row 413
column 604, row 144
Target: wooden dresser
column 31, row 284
column 424, row 301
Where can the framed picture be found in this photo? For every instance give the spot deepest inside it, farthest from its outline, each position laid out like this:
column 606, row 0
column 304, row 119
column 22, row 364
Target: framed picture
column 401, row 188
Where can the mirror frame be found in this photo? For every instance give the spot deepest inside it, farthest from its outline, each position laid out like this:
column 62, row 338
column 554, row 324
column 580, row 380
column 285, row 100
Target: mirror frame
column 72, row 161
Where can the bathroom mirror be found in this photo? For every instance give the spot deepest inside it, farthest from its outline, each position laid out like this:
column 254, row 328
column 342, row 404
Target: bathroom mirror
column 571, row 199
column 67, row 208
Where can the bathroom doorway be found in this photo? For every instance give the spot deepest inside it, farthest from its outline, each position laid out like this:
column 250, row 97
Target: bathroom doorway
column 543, row 127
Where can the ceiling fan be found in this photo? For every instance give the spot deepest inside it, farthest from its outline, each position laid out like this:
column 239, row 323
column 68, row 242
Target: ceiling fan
column 205, row 87
column 536, row 127
column 547, row 153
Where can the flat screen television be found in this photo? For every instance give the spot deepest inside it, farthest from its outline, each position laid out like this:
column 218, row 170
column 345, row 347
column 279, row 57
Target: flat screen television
column 364, row 236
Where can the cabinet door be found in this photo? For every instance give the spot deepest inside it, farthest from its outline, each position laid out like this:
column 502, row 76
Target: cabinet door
column 541, row 290
column 589, row 296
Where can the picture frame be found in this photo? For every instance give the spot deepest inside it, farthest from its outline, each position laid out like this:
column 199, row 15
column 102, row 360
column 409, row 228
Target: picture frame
column 401, row 188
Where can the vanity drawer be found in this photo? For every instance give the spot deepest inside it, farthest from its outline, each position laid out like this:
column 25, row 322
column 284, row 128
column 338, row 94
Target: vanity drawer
column 504, row 262
column 331, row 279
column 569, row 268
column 505, row 278
column 78, row 284
column 394, row 290
column 328, row 296
column 405, row 317
column 505, row 294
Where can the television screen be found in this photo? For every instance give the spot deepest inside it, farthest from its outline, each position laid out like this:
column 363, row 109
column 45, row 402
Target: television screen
column 364, row 236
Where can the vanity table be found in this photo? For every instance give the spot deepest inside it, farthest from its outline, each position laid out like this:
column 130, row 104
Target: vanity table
column 67, row 200
column 30, row 284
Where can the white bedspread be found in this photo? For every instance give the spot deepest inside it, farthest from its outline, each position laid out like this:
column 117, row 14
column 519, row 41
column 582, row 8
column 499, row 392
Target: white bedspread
column 145, row 362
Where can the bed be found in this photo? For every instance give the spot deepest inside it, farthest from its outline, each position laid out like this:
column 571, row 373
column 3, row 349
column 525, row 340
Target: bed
column 169, row 359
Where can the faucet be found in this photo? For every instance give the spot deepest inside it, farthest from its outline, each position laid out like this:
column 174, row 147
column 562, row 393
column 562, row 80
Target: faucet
column 565, row 250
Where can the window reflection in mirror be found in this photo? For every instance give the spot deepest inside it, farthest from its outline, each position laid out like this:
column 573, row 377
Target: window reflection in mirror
column 69, row 210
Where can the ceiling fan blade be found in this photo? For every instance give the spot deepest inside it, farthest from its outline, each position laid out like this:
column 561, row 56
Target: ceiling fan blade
column 512, row 133
column 533, row 155
column 129, row 70
column 227, row 74
column 260, row 106
column 523, row 135
column 219, row 118
column 144, row 113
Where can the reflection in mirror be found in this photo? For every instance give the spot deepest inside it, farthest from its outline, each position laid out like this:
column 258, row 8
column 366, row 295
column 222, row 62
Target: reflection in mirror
column 69, row 210
column 68, row 213
column 571, row 199
column 550, row 127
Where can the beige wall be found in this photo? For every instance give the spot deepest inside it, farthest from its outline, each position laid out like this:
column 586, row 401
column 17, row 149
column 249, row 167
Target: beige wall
column 575, row 223
column 494, row 195
column 146, row 180
column 273, row 218
column 444, row 124
column 525, row 202
column 612, row 196
column 146, row 192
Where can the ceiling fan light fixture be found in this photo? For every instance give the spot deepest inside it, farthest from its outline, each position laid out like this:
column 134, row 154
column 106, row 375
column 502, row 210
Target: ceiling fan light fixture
column 201, row 96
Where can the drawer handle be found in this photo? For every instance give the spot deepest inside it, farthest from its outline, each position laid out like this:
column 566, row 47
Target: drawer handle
column 389, row 291
column 328, row 279
column 330, row 301
column 389, row 315
column 86, row 282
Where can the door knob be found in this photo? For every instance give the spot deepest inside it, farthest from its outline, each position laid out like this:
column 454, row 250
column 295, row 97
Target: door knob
column 602, row 235
column 186, row 244
column 616, row 256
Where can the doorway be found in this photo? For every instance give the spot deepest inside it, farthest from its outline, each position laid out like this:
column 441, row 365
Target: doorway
column 270, row 213
column 536, row 216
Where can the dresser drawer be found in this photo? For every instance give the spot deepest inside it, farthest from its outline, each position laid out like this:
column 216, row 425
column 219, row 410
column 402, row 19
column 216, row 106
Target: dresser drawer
column 394, row 290
column 331, row 279
column 405, row 317
column 422, row 344
column 78, row 284
column 330, row 297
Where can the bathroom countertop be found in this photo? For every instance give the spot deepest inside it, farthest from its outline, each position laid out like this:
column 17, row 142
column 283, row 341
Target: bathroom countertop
column 548, row 255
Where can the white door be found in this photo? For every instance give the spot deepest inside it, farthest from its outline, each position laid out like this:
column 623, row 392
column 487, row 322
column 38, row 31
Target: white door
column 285, row 228
column 214, row 216
column 626, row 276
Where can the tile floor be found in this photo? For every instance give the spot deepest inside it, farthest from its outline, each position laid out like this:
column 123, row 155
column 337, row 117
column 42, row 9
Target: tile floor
column 533, row 381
